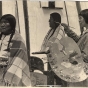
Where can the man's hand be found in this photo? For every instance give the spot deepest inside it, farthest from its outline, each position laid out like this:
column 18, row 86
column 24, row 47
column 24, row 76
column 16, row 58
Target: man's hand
column 66, row 27
column 85, row 59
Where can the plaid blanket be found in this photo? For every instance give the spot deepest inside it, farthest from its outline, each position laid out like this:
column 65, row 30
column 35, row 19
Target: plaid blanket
column 17, row 72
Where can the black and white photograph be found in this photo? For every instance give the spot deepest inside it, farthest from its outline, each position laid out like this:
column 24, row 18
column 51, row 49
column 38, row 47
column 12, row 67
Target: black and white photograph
column 43, row 43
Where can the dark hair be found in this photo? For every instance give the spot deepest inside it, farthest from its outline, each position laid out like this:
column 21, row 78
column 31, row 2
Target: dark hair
column 56, row 17
column 84, row 14
column 36, row 63
column 11, row 19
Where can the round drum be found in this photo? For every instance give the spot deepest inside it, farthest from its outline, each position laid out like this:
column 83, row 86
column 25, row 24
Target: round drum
column 65, row 59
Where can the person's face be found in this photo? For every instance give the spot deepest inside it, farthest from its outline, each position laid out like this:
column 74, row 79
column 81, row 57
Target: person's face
column 5, row 26
column 51, row 22
column 82, row 21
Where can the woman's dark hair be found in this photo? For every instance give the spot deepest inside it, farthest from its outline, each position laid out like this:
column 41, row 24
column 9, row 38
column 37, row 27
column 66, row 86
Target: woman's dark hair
column 84, row 14
column 56, row 17
column 11, row 19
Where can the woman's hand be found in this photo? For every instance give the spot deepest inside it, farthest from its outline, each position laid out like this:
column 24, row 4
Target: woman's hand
column 85, row 58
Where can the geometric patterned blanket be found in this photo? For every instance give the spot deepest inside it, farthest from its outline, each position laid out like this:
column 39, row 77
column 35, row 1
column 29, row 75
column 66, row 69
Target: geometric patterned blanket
column 17, row 72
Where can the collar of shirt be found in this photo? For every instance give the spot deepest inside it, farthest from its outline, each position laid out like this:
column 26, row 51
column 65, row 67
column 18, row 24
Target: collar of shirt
column 85, row 31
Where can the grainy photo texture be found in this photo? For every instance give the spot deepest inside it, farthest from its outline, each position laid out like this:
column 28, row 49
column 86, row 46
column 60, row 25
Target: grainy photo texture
column 43, row 43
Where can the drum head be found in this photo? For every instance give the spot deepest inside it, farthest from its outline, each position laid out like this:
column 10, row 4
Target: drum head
column 65, row 59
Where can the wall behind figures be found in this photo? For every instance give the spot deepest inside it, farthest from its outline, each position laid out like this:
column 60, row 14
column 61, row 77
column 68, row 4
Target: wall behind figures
column 73, row 16
column 83, row 5
column 8, row 7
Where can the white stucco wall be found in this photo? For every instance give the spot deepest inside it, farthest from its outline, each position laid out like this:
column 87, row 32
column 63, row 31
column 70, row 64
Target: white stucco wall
column 8, row 7
column 84, row 5
column 73, row 16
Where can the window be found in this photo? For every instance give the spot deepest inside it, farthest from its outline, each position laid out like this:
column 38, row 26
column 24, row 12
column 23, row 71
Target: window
column 52, row 5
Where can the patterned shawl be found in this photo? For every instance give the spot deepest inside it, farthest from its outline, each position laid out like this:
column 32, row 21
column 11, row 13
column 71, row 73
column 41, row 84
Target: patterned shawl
column 17, row 72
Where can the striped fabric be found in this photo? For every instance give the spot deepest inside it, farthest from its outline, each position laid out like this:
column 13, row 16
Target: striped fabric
column 72, row 34
column 17, row 72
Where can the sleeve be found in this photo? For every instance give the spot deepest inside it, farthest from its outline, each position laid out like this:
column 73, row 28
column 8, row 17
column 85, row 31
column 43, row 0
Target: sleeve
column 43, row 46
column 72, row 34
column 84, row 50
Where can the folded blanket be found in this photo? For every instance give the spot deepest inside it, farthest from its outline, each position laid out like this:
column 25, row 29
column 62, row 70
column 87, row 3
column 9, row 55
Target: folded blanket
column 17, row 72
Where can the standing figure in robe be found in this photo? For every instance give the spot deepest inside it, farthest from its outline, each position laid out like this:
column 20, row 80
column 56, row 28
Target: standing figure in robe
column 56, row 31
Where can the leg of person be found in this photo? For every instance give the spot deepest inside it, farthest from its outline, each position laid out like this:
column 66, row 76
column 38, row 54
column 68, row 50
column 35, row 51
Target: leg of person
column 64, row 83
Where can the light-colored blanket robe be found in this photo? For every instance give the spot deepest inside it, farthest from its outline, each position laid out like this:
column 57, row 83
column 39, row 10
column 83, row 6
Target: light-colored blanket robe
column 58, row 33
column 17, row 72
